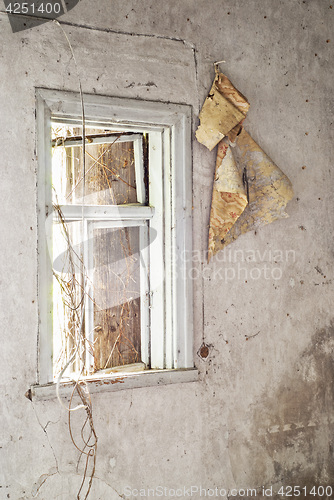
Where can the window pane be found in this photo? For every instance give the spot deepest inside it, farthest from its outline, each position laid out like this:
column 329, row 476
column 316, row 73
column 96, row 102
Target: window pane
column 116, row 295
column 96, row 286
column 68, row 295
column 110, row 177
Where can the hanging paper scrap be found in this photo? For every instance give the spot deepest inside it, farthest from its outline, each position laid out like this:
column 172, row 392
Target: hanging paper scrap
column 249, row 190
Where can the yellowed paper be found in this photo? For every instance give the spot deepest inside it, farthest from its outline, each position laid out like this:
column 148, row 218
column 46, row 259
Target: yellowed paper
column 249, row 190
column 223, row 109
column 229, row 197
column 269, row 191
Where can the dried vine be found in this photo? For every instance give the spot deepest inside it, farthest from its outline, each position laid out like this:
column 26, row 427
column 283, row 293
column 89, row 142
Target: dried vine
column 73, row 280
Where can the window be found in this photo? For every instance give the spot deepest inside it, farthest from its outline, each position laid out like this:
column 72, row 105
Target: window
column 114, row 285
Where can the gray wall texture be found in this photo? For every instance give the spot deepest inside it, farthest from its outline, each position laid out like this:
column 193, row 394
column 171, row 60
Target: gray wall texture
column 261, row 412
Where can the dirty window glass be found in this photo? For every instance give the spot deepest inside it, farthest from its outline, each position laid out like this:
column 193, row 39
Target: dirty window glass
column 110, row 176
column 97, row 285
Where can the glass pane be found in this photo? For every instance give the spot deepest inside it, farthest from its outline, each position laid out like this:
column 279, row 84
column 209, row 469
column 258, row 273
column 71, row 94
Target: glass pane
column 96, row 296
column 68, row 273
column 110, row 176
column 116, row 296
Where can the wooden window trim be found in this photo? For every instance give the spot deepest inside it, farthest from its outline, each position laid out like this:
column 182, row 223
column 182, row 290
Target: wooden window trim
column 169, row 126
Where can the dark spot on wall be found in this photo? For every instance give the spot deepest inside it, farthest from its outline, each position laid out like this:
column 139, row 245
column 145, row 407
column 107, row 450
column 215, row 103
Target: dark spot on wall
column 278, row 469
column 28, row 394
column 317, row 268
column 204, row 351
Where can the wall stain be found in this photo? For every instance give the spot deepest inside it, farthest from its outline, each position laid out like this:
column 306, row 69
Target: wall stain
column 294, row 424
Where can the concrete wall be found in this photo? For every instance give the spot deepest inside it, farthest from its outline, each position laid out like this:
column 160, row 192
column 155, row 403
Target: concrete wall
column 261, row 413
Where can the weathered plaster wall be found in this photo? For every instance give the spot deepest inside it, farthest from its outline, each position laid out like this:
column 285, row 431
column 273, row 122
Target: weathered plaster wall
column 262, row 411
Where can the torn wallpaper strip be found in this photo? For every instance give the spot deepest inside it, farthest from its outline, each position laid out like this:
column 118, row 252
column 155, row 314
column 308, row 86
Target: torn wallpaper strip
column 249, row 190
column 222, row 112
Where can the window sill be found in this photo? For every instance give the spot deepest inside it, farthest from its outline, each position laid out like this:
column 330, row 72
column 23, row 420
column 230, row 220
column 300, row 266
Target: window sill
column 116, row 382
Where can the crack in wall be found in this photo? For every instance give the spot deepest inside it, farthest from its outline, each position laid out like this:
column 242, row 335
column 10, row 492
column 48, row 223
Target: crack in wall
column 106, row 30
column 37, row 486
column 185, row 42
column 55, row 470
column 109, row 486
column 44, row 428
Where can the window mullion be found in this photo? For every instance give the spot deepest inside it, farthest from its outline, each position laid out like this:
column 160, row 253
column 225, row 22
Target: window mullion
column 107, row 212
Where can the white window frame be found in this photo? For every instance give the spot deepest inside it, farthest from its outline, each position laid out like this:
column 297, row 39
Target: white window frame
column 168, row 331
